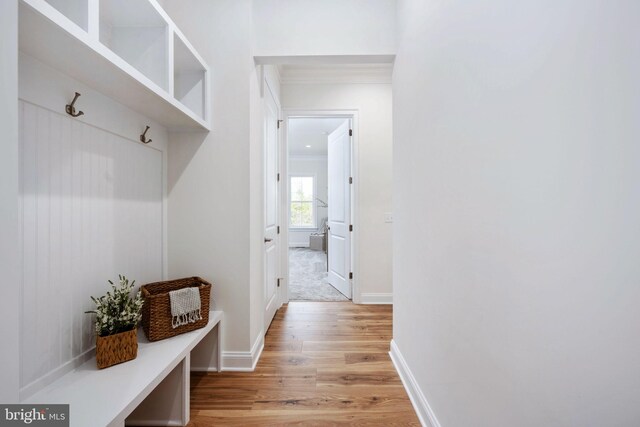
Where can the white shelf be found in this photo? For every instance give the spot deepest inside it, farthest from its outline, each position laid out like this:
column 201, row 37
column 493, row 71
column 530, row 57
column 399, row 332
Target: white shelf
column 189, row 76
column 77, row 11
column 135, row 31
column 106, row 397
column 125, row 54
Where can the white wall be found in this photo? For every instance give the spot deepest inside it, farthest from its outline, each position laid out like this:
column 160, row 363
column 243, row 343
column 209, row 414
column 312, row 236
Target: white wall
column 373, row 182
column 9, row 185
column 329, row 27
column 91, row 208
column 209, row 173
column 516, row 204
column 215, row 187
column 256, row 210
column 313, row 166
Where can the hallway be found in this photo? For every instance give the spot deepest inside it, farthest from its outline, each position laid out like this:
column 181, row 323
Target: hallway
column 324, row 363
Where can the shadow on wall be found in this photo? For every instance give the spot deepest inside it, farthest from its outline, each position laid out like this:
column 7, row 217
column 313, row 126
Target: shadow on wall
column 180, row 157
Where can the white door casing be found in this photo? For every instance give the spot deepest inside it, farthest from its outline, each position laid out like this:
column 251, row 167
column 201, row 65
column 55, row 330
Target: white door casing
column 271, row 237
column 339, row 201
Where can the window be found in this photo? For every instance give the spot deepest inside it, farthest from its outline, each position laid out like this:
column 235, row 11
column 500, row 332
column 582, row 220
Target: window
column 302, row 208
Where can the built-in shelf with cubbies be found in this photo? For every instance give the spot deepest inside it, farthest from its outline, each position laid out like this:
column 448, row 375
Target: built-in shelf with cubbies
column 130, row 50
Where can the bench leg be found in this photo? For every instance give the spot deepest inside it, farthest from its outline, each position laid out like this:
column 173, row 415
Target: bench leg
column 186, row 390
column 168, row 403
column 219, row 337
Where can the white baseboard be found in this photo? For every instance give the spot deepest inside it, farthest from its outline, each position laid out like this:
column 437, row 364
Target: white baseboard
column 298, row 245
column 420, row 404
column 376, row 298
column 243, row 361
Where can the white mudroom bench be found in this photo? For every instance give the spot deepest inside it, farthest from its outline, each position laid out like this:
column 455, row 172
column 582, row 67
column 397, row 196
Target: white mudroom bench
column 152, row 389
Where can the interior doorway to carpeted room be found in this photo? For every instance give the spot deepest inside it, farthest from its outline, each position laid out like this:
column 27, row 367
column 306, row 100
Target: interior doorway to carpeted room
column 311, row 176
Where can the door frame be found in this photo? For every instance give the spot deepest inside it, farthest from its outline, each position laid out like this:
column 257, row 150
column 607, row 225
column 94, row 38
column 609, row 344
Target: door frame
column 289, row 113
column 267, row 90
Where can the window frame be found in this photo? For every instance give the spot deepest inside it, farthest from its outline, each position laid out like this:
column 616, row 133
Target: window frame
column 314, row 205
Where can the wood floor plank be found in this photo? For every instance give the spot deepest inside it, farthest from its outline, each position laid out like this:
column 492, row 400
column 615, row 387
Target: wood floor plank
column 366, row 358
column 286, row 345
column 345, row 346
column 350, row 377
column 308, row 418
column 303, row 359
column 331, row 326
column 328, row 402
column 315, row 336
column 323, row 364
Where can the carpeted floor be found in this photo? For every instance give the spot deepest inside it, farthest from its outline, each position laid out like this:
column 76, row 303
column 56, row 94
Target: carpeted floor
column 308, row 277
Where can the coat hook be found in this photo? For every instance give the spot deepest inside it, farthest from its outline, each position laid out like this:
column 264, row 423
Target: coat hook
column 71, row 110
column 143, row 137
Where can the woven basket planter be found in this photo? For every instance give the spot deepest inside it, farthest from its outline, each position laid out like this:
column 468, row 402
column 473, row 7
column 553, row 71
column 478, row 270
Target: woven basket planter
column 117, row 348
column 156, row 312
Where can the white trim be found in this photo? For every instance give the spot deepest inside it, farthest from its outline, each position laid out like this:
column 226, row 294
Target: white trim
column 278, row 71
column 303, row 157
column 376, row 298
column 423, row 410
column 347, row 113
column 269, row 75
column 337, row 74
column 280, row 244
column 243, row 361
column 325, row 59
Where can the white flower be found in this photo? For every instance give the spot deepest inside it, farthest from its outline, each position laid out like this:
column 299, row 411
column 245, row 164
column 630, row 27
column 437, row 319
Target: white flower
column 117, row 311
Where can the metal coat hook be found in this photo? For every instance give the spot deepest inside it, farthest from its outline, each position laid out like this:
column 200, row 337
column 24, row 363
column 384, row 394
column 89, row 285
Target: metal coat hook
column 143, row 137
column 71, row 109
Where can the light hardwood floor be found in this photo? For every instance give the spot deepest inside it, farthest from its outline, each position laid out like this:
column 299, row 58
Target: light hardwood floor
column 324, row 364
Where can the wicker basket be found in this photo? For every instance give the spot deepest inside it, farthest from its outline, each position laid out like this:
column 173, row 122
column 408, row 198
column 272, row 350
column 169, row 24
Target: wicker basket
column 156, row 312
column 117, row 348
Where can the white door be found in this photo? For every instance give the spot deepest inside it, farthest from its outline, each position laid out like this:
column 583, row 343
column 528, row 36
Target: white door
column 339, row 161
column 271, row 243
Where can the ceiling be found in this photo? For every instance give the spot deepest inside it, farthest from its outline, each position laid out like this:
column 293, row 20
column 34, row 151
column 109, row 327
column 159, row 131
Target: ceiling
column 313, row 132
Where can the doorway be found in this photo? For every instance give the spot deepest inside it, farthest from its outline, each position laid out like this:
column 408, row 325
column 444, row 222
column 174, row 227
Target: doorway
column 272, row 297
column 319, row 207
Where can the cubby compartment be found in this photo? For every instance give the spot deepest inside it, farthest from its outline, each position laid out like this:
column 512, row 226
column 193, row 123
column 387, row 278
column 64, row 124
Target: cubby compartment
column 137, row 33
column 76, row 10
column 124, row 49
column 189, row 78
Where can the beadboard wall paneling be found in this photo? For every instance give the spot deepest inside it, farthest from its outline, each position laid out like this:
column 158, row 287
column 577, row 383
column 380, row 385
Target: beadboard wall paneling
column 91, row 208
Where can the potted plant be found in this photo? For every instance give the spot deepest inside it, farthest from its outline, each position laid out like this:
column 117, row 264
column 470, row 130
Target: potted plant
column 117, row 317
